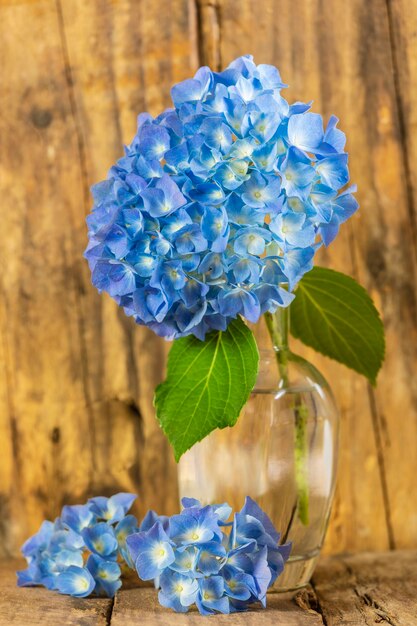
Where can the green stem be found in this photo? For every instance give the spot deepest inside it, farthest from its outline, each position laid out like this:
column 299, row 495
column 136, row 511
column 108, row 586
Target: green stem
column 301, row 460
column 278, row 328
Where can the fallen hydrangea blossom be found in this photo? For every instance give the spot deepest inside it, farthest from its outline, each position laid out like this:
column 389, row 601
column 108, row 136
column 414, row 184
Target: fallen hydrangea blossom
column 198, row 557
column 80, row 553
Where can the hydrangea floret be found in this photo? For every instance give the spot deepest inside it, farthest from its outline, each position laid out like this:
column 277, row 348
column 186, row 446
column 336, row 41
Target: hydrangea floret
column 198, row 557
column 219, row 204
column 81, row 552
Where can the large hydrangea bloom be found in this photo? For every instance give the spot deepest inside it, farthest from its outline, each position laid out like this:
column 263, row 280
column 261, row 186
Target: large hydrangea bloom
column 219, row 204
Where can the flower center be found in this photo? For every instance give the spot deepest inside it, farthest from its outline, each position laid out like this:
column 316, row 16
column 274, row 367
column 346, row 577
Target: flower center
column 195, row 536
column 257, row 194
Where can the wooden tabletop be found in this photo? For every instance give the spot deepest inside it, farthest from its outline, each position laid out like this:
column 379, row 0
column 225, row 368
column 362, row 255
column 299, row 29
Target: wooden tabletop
column 359, row 590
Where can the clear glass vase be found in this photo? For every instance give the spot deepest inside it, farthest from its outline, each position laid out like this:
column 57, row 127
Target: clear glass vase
column 282, row 452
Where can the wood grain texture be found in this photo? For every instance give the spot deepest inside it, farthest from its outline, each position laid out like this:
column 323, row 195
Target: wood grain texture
column 140, row 605
column 37, row 606
column 368, row 589
column 77, row 377
column 357, row 590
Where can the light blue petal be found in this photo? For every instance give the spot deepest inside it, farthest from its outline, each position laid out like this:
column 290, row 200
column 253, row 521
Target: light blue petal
column 75, row 581
column 305, row 131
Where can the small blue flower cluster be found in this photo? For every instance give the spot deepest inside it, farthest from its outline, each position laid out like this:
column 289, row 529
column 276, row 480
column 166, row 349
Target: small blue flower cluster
column 219, row 204
column 193, row 560
column 56, row 554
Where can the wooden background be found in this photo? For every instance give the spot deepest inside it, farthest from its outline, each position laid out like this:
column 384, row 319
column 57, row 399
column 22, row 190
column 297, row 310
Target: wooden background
column 77, row 377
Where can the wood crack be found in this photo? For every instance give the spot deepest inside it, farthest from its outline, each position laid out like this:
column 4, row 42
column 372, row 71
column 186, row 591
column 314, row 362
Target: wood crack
column 208, row 18
column 402, row 124
column 73, row 107
column 308, row 600
column 382, row 469
column 109, row 613
column 382, row 614
column 379, row 613
column 76, row 276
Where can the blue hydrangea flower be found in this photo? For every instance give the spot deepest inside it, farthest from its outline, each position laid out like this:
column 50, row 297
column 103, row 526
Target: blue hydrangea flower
column 112, row 509
column 101, row 540
column 151, row 551
column 195, row 526
column 127, row 526
column 177, row 591
column 106, row 575
column 211, row 596
column 184, row 229
column 75, row 581
column 78, row 553
column 199, row 557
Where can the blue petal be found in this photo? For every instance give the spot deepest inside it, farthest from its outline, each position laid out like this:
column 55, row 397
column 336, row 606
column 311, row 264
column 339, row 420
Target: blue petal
column 77, row 516
column 253, row 509
column 75, row 581
column 208, row 193
column 151, row 551
column 188, row 90
column 121, row 279
column 100, row 539
column 238, row 301
column 164, row 198
column 214, row 223
column 153, row 141
column 211, row 557
column 106, row 575
column 212, row 266
column 334, row 136
column 305, row 131
column 333, row 170
column 38, row 541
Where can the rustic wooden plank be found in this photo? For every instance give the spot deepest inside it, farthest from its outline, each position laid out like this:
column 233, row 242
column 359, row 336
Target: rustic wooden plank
column 47, row 418
column 357, row 590
column 368, row 588
column 77, row 376
column 119, row 67
column 35, row 605
column 403, row 23
column 339, row 54
column 141, row 606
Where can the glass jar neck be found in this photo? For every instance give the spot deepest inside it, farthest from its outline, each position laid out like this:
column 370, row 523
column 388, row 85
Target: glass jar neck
column 278, row 324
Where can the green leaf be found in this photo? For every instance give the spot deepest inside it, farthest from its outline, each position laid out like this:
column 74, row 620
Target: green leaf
column 334, row 315
column 207, row 384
